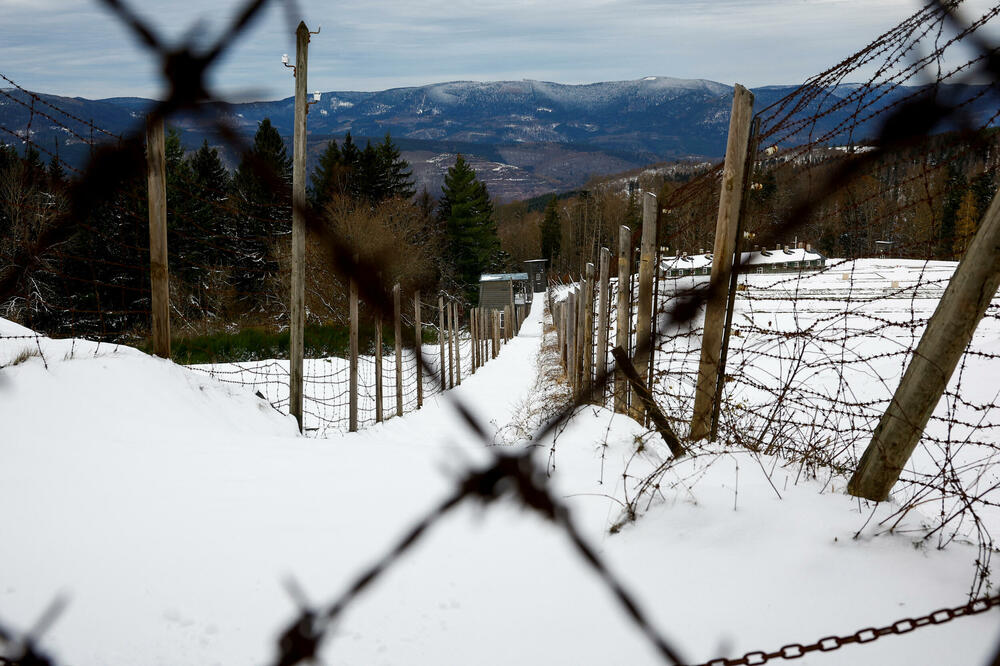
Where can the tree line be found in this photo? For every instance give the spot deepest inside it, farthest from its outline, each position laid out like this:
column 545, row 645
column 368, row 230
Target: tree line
column 229, row 236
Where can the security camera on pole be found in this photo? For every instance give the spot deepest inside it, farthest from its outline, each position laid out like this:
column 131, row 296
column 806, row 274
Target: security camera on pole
column 297, row 307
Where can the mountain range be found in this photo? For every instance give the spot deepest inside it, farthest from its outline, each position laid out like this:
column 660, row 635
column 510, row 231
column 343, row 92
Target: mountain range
column 523, row 137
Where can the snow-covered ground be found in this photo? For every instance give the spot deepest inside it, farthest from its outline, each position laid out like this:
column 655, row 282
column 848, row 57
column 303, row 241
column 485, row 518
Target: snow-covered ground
column 171, row 508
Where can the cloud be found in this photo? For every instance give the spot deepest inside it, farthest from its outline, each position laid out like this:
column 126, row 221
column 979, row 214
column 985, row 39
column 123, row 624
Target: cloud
column 76, row 47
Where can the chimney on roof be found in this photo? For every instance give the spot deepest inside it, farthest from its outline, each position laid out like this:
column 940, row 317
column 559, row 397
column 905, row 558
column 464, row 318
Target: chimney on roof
column 786, row 248
column 809, row 247
column 701, row 250
column 801, row 245
column 678, row 252
column 756, row 248
column 777, row 247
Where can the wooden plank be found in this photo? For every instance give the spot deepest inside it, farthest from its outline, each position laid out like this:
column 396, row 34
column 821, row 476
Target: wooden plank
column 296, row 321
column 449, row 316
column 397, row 316
column 159, row 274
column 442, row 368
column 588, row 331
column 458, row 344
column 353, row 386
column 730, row 202
column 473, row 355
column 644, row 301
column 720, row 377
column 946, row 337
column 603, row 314
column 653, row 410
column 622, row 323
column 418, row 347
column 379, row 390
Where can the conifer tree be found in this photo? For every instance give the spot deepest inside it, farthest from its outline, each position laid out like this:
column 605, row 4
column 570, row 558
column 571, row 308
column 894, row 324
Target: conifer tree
column 466, row 214
column 551, row 232
column 396, row 172
column 328, row 176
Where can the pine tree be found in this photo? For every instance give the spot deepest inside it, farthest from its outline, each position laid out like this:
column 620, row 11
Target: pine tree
column 466, row 214
column 262, row 186
column 955, row 188
column 396, row 172
column 551, row 232
column 56, row 173
column 328, row 176
column 369, row 185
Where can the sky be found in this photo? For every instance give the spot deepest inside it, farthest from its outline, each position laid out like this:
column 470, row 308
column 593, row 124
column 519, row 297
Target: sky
column 79, row 48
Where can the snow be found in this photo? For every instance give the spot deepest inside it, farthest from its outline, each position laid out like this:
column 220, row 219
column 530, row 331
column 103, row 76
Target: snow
column 171, row 508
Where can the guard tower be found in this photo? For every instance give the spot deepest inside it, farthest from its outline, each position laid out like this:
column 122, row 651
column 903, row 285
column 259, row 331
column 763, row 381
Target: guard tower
column 535, row 268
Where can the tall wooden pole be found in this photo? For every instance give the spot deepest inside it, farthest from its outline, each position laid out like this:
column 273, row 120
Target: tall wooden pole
column 442, row 332
column 458, row 345
column 418, row 347
column 948, row 333
column 603, row 311
column 644, row 302
column 720, row 378
column 397, row 314
column 159, row 275
column 730, row 202
column 352, row 298
column 622, row 323
column 296, row 325
column 588, row 330
column 449, row 315
column 473, row 342
column 379, row 390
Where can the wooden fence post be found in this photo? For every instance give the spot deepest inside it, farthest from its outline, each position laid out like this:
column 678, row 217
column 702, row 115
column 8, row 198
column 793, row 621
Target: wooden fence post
column 572, row 320
column 588, row 331
column 644, row 302
column 948, row 333
column 398, row 334
column 730, row 201
column 458, row 345
column 449, row 316
column 562, row 337
column 603, row 289
column 353, row 387
column 734, row 275
column 379, row 390
column 159, row 275
column 496, row 333
column 472, row 341
column 418, row 347
column 622, row 323
column 442, row 369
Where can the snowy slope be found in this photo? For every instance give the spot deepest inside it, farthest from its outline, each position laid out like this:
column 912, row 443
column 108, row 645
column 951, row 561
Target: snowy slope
column 170, row 509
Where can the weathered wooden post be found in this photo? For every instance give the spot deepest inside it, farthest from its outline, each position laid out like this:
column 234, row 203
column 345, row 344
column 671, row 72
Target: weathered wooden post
column 379, row 391
column 296, row 323
column 588, row 330
column 730, row 201
column 353, row 385
column 571, row 324
column 496, row 333
column 418, row 347
column 159, row 274
column 644, row 302
column 451, row 344
column 622, row 323
column 720, row 376
column 581, row 307
column 948, row 333
column 473, row 355
column 442, row 369
column 603, row 289
column 398, row 334
column 458, row 345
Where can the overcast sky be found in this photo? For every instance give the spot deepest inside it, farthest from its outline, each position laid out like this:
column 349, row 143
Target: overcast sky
column 76, row 47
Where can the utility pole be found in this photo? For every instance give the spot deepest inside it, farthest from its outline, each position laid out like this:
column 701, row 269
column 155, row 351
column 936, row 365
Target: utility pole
column 296, row 348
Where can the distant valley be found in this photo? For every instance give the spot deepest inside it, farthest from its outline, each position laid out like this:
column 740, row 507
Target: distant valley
column 524, row 138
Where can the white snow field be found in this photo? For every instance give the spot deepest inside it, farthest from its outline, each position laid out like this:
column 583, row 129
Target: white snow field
column 170, row 509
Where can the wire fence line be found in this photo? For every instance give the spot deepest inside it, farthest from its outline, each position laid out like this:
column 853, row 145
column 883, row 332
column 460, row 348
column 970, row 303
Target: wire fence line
column 114, row 305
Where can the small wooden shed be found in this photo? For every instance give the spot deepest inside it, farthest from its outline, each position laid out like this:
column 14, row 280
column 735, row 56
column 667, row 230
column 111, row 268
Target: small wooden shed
column 536, row 274
column 497, row 290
